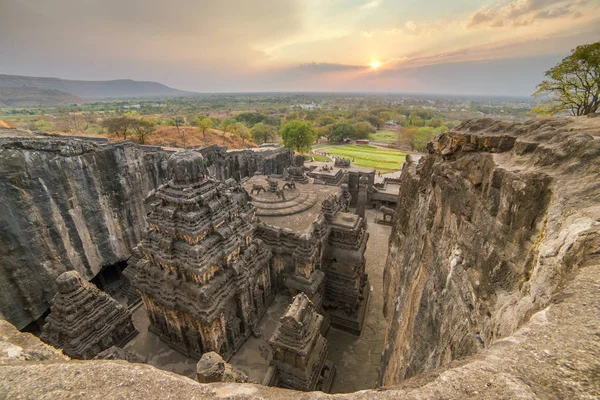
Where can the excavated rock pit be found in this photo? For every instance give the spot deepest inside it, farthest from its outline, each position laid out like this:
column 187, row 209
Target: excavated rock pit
column 491, row 286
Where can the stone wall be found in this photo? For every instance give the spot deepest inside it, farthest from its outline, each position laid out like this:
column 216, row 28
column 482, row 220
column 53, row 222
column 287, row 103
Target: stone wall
column 79, row 205
column 488, row 227
column 67, row 205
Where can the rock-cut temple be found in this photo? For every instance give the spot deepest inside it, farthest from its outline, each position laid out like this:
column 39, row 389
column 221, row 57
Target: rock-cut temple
column 208, row 268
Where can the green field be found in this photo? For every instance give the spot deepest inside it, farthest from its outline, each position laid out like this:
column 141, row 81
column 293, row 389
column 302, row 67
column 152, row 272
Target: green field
column 318, row 157
column 384, row 136
column 381, row 159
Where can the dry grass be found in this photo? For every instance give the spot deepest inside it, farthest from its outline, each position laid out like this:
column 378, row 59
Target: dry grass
column 167, row 136
column 6, row 124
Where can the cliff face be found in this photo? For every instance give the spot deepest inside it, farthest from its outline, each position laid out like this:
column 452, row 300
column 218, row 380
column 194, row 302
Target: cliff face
column 488, row 227
column 67, row 205
column 79, row 205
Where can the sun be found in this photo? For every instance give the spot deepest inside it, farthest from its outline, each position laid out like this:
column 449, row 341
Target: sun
column 375, row 64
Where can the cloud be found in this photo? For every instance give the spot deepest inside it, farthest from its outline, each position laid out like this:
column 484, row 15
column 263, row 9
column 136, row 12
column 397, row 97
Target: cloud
column 371, row 4
column 523, row 12
column 411, row 26
column 367, row 34
column 328, row 67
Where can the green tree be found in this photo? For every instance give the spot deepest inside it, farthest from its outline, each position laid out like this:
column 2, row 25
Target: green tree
column 262, row 133
column 434, row 123
column 205, row 125
column 142, row 128
column 227, row 125
column 363, row 129
column 325, row 120
column 41, row 125
column 120, row 126
column 242, row 131
column 574, row 84
column 297, row 135
column 342, row 130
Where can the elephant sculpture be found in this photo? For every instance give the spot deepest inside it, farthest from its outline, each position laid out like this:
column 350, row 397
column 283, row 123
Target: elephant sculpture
column 290, row 185
column 258, row 188
column 386, row 211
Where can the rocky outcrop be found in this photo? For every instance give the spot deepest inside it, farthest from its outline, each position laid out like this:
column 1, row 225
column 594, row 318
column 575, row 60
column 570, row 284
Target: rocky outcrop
column 79, row 205
column 488, row 229
column 212, row 368
column 554, row 355
column 68, row 205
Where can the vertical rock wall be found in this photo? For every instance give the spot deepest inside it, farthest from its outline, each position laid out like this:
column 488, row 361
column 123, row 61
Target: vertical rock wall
column 67, row 206
column 487, row 228
column 79, row 205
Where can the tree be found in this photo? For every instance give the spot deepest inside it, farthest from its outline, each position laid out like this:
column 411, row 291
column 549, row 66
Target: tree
column 75, row 123
column 242, row 131
column 434, row 123
column 227, row 125
column 143, row 128
column 42, row 125
column 297, row 135
column 342, row 130
column 574, row 84
column 204, row 125
column 174, row 113
column 363, row 129
column 263, row 133
column 120, row 126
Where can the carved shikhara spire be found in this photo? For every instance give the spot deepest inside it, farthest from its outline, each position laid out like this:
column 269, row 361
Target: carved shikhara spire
column 204, row 279
column 299, row 349
column 84, row 320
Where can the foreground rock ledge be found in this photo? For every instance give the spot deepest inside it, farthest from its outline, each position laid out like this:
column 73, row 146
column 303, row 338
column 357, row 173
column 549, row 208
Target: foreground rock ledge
column 546, row 358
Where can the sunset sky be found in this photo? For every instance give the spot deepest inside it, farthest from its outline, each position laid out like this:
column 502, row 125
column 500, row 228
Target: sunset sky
column 434, row 46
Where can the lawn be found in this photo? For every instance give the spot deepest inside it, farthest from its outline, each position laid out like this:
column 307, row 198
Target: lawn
column 384, row 136
column 381, row 159
column 317, row 157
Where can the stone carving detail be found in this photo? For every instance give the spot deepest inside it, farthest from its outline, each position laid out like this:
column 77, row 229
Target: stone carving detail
column 204, row 279
column 296, row 174
column 327, row 263
column 84, row 320
column 290, row 185
column 299, row 350
column 342, row 162
column 257, row 188
column 387, row 212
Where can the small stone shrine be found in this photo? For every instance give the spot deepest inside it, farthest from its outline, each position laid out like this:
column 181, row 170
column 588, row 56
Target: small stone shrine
column 204, row 278
column 299, row 350
column 84, row 320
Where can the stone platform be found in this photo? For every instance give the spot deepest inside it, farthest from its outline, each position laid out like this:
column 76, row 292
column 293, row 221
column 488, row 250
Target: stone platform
column 270, row 205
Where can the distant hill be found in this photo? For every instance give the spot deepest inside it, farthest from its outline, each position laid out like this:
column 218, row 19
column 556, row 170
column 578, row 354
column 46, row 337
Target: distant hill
column 32, row 96
column 94, row 90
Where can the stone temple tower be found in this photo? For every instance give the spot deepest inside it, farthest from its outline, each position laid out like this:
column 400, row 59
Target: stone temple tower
column 204, row 279
column 299, row 350
column 84, row 320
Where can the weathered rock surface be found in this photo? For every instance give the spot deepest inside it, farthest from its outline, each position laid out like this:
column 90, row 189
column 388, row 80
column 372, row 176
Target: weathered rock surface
column 488, row 229
column 554, row 355
column 84, row 320
column 212, row 368
column 542, row 336
column 79, row 205
column 68, row 205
